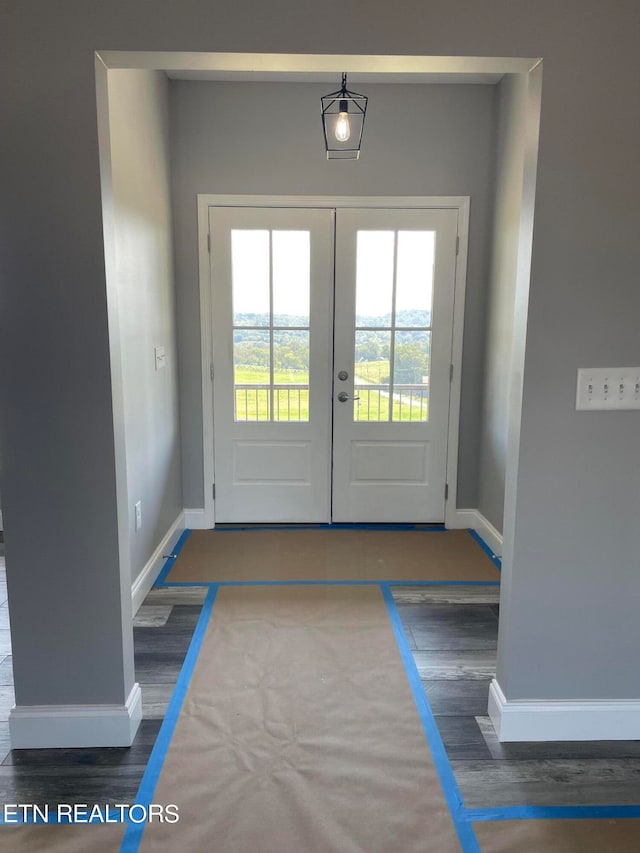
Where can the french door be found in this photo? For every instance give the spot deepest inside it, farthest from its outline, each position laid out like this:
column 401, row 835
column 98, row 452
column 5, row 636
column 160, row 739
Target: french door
column 332, row 349
column 272, row 329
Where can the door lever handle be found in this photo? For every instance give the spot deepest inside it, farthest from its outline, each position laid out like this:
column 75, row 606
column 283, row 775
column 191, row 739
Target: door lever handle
column 343, row 397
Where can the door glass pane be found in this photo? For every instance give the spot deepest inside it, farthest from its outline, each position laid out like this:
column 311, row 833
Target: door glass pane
column 290, row 375
column 250, row 277
column 392, row 382
column 291, row 277
column 414, row 278
column 374, row 277
column 411, row 371
column 271, row 270
column 371, row 376
column 251, row 374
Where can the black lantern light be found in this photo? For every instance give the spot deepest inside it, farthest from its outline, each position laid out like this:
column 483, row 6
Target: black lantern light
column 343, row 115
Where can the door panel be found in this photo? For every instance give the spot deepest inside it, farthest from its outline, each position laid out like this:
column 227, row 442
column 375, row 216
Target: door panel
column 395, row 276
column 286, row 367
column 272, row 273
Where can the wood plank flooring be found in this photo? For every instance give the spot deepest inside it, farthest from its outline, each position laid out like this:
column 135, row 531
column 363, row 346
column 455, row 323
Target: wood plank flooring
column 162, row 632
column 452, row 632
column 453, row 636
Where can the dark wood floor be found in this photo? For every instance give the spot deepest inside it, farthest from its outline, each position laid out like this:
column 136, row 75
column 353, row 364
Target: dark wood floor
column 452, row 632
column 453, row 635
column 162, row 632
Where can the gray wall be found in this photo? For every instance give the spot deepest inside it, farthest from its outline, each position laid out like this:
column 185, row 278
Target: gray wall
column 571, row 570
column 572, row 540
column 139, row 135
column 267, row 139
column 501, row 297
column 68, row 578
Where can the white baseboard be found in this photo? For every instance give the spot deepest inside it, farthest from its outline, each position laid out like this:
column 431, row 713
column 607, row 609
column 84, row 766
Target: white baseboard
column 150, row 572
column 473, row 519
column 196, row 519
column 549, row 720
column 70, row 726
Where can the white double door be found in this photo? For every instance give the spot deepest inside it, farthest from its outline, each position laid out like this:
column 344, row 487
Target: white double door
column 332, row 349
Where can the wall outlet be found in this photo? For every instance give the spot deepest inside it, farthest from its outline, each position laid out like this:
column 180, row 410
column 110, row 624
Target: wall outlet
column 608, row 388
column 138, row 511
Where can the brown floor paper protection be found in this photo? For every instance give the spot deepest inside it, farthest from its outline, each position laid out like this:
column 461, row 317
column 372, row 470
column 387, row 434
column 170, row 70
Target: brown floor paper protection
column 61, row 838
column 299, row 734
column 258, row 554
column 559, row 836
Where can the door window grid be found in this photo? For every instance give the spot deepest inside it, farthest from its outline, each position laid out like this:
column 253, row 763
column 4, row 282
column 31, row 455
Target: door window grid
column 271, row 360
column 394, row 386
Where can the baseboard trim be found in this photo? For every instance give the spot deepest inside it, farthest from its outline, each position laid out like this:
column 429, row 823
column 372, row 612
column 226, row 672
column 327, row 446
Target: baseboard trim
column 473, row 519
column 196, row 519
column 152, row 569
column 551, row 720
column 71, row 726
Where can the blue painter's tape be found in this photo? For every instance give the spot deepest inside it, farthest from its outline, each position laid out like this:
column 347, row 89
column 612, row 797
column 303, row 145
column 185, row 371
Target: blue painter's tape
column 445, row 773
column 329, row 583
column 269, row 583
column 497, row 562
column 337, row 525
column 442, row 583
column 355, row 583
column 133, row 834
column 171, row 560
column 299, row 583
column 551, row 813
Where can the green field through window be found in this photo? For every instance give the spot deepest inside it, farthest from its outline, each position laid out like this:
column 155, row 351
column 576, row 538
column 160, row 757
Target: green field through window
column 253, row 398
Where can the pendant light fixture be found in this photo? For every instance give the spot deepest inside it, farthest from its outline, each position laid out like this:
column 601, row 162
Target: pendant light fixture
column 343, row 114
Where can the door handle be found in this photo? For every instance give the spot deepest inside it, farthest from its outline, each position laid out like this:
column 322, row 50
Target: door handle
column 343, row 397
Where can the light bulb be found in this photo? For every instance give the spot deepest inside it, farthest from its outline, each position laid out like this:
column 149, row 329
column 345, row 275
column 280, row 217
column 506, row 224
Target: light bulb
column 343, row 131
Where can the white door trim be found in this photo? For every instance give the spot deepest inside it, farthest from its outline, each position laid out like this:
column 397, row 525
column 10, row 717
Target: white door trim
column 207, row 200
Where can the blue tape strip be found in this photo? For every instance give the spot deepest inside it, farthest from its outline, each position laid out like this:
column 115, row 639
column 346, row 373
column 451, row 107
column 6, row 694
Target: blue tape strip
column 497, row 562
column 551, row 813
column 442, row 583
column 443, row 768
column 134, row 831
column 339, row 525
column 329, row 583
column 275, row 583
column 171, row 560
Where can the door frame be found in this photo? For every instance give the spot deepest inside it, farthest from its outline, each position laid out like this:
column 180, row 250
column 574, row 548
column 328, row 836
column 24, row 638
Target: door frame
column 207, row 200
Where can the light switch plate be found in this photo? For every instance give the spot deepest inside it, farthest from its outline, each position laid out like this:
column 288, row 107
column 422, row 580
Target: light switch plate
column 608, row 388
column 161, row 358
